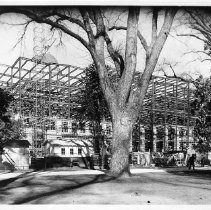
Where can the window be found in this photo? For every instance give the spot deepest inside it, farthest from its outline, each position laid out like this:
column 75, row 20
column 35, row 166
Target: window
column 37, row 144
column 108, row 129
column 171, row 133
column 91, row 128
column 53, row 127
column 74, row 127
column 181, row 133
column 71, row 151
column 79, row 151
column 65, row 127
column 63, row 151
column 82, row 127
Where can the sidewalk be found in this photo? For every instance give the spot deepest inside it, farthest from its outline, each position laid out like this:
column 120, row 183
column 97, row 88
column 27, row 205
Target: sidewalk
column 57, row 172
column 9, row 175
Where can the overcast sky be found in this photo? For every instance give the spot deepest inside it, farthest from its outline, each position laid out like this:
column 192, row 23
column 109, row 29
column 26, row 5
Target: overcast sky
column 74, row 53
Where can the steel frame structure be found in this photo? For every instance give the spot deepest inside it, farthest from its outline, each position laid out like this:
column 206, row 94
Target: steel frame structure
column 42, row 91
column 46, row 90
column 167, row 104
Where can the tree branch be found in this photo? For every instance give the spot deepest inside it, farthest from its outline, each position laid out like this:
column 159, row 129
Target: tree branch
column 100, row 34
column 98, row 56
column 197, row 52
column 87, row 27
column 125, row 82
column 40, row 19
column 23, row 34
column 140, row 36
column 137, row 97
column 117, row 28
column 71, row 19
column 192, row 35
column 143, row 42
column 154, row 27
column 114, row 55
column 175, row 76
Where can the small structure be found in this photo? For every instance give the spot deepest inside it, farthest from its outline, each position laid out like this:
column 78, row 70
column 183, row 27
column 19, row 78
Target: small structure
column 16, row 155
column 69, row 151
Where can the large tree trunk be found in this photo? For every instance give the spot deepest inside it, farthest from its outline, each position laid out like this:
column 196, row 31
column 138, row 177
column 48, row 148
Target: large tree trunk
column 122, row 132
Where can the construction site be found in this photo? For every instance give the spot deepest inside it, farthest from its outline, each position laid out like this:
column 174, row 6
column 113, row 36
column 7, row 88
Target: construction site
column 46, row 92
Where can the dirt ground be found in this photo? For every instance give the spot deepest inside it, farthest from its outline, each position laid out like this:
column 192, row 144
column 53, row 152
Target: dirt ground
column 148, row 187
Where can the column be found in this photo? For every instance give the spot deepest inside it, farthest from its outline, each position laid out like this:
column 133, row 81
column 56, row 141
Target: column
column 190, row 134
column 131, row 144
column 177, row 139
column 142, row 139
column 187, row 137
column 166, row 138
column 154, row 139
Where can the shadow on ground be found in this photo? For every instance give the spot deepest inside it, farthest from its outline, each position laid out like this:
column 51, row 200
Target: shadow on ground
column 34, row 187
column 177, row 186
column 197, row 173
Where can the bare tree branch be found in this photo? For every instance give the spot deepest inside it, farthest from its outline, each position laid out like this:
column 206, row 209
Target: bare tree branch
column 154, row 27
column 175, row 76
column 137, row 96
column 110, row 48
column 114, row 54
column 23, row 34
column 206, row 59
column 199, row 21
column 125, row 82
column 140, row 36
column 14, row 24
column 117, row 28
column 193, row 35
column 87, row 25
column 71, row 19
column 39, row 19
column 143, row 42
column 99, row 57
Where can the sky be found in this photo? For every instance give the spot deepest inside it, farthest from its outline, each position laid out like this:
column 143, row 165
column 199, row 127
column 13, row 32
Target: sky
column 73, row 53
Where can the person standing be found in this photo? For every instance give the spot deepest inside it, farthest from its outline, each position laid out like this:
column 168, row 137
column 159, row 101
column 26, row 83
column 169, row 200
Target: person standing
column 190, row 157
column 192, row 162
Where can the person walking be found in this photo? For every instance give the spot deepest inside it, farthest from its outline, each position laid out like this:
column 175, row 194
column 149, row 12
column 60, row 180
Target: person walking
column 190, row 157
column 192, row 162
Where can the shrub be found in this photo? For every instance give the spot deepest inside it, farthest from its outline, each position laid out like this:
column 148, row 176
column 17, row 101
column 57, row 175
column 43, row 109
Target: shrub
column 164, row 161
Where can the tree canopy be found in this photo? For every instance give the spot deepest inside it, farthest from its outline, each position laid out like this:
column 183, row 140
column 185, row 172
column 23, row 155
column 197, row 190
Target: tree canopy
column 92, row 106
column 201, row 109
column 5, row 121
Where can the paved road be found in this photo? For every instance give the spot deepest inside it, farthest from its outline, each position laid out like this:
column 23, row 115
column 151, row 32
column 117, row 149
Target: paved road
column 147, row 186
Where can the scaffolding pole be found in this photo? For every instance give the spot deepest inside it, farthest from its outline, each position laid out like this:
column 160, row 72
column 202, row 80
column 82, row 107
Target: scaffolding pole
column 176, row 113
column 165, row 119
column 188, row 95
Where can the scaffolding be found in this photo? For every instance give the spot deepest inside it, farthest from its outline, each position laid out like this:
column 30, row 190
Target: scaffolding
column 45, row 91
column 166, row 115
column 42, row 91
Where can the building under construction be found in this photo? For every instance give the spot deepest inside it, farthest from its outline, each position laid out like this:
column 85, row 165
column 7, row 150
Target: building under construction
column 44, row 91
column 166, row 123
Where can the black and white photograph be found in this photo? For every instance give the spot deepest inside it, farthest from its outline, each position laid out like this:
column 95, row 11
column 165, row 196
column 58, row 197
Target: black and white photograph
column 105, row 104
